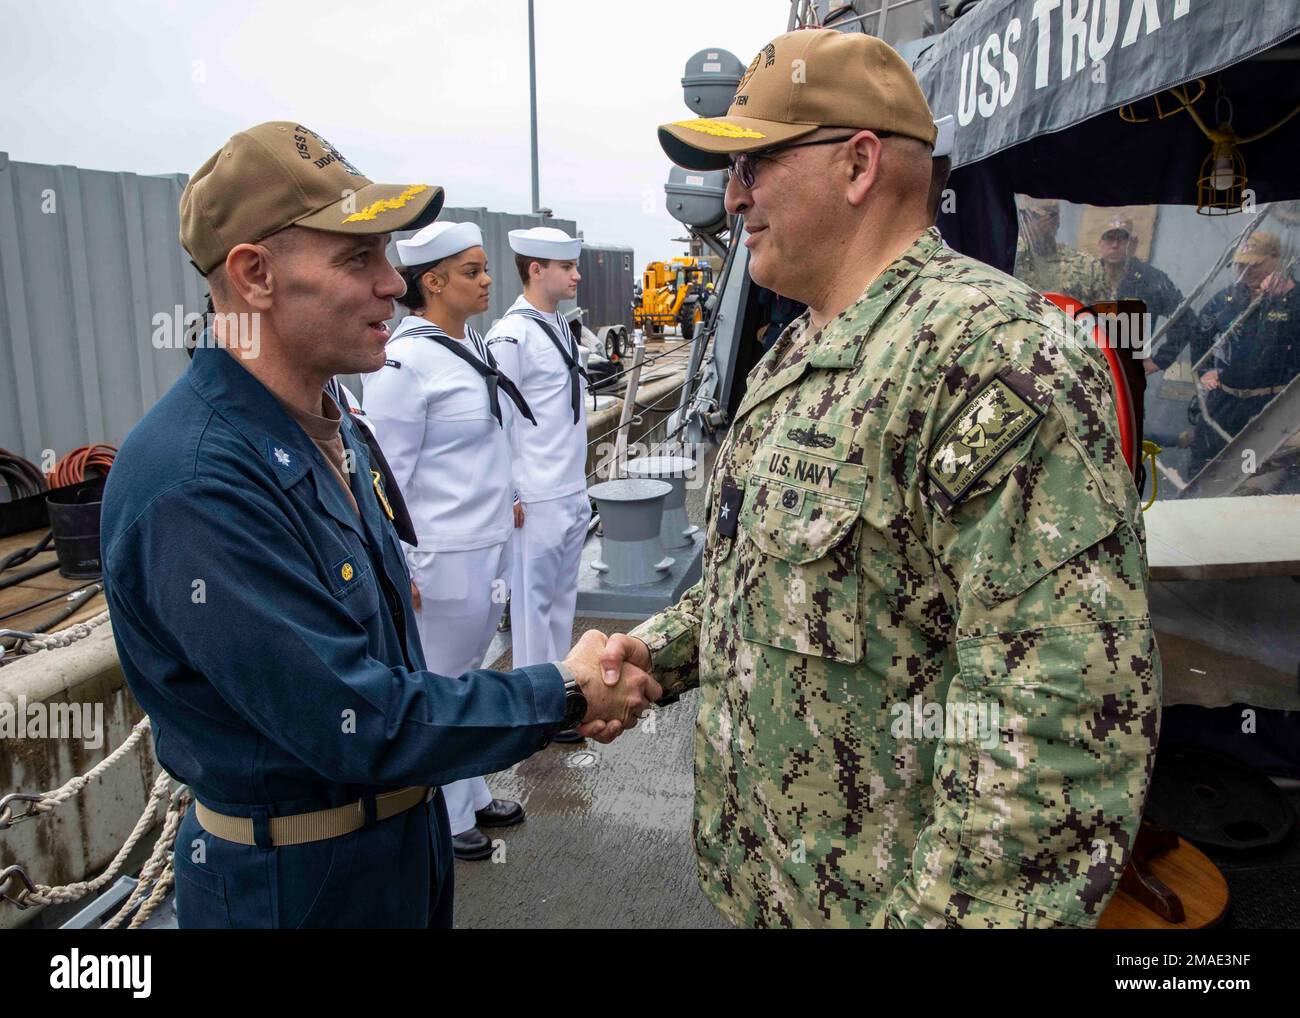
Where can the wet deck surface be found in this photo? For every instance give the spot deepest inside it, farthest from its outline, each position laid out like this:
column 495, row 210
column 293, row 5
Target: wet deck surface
column 607, row 841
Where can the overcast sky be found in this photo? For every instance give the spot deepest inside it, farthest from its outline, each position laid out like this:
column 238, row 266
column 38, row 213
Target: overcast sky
column 433, row 91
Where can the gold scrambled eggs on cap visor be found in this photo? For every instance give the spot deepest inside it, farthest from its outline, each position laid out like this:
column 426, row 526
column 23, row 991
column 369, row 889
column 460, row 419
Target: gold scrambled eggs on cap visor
column 379, row 208
column 706, row 143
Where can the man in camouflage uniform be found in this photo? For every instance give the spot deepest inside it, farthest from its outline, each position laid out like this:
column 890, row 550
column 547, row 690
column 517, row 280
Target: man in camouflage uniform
column 1051, row 267
column 920, row 509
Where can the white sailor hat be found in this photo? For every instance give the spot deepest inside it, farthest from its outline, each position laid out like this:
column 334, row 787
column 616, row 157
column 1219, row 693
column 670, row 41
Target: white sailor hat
column 545, row 242
column 438, row 240
column 943, row 143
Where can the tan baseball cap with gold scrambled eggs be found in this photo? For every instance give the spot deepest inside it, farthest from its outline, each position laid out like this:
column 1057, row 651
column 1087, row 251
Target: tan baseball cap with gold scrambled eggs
column 282, row 174
column 802, row 81
column 1259, row 246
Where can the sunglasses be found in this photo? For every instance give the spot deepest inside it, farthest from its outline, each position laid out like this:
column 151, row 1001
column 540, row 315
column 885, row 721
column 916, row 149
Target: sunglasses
column 742, row 166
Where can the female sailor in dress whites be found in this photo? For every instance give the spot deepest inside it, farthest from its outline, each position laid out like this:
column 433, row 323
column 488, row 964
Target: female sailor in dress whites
column 440, row 412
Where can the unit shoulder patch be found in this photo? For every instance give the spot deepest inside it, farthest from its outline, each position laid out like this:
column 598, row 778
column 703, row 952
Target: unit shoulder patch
column 390, row 363
column 988, row 424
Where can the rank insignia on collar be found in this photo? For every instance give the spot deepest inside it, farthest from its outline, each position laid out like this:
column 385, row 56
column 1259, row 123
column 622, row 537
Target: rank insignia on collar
column 975, row 437
column 377, row 479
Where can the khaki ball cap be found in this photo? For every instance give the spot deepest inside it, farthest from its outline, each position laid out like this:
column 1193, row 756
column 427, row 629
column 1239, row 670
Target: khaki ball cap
column 282, row 174
column 802, row 81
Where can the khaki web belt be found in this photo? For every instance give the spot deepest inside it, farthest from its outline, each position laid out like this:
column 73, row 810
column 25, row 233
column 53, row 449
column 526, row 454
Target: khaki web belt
column 301, row 828
column 1270, row 390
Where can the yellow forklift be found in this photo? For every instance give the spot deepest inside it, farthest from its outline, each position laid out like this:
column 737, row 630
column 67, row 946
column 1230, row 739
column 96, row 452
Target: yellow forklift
column 672, row 293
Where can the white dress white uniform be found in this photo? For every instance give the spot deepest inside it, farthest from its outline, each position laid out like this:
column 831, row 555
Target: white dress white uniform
column 549, row 463
column 432, row 415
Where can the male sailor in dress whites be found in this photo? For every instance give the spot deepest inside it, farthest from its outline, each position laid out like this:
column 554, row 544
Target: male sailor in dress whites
column 533, row 345
column 440, row 411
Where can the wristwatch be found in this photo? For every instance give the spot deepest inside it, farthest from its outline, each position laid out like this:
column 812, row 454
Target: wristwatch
column 575, row 704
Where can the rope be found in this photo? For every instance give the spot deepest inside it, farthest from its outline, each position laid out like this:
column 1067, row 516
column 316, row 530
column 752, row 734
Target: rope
column 64, row 893
column 667, row 437
column 157, row 872
column 50, row 801
column 644, row 408
column 75, row 632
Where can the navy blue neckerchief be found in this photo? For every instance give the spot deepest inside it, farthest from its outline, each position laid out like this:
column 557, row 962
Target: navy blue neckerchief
column 486, row 366
column 568, row 351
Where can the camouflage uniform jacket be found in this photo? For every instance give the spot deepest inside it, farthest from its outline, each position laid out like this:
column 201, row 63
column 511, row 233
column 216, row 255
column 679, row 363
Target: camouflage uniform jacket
column 1067, row 270
column 933, row 517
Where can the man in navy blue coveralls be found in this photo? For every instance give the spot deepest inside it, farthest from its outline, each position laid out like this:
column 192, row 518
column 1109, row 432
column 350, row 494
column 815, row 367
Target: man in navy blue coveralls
column 259, row 594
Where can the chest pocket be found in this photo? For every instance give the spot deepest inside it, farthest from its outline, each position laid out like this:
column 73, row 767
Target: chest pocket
column 355, row 587
column 798, row 571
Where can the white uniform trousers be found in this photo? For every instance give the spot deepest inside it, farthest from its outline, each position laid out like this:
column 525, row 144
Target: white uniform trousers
column 544, row 578
column 462, row 595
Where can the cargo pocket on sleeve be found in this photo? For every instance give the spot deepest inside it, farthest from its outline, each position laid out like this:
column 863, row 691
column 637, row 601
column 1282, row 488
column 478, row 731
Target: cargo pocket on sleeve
column 1044, row 526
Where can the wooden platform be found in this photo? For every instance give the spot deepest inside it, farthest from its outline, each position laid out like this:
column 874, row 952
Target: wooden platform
column 40, row 587
column 1197, row 881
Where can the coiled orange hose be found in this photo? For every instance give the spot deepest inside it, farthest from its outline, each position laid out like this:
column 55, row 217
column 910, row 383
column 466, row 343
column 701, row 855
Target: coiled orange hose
column 72, row 468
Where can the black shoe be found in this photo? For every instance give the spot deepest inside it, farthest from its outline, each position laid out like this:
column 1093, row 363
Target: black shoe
column 568, row 735
column 499, row 813
column 473, row 844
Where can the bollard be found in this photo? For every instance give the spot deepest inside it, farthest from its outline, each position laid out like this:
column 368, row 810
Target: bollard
column 676, row 531
column 631, row 511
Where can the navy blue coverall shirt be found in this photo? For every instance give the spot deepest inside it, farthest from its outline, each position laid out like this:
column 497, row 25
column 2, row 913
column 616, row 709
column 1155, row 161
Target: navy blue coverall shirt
column 268, row 632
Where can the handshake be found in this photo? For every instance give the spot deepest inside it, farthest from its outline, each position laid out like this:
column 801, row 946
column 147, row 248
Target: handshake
column 614, row 675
